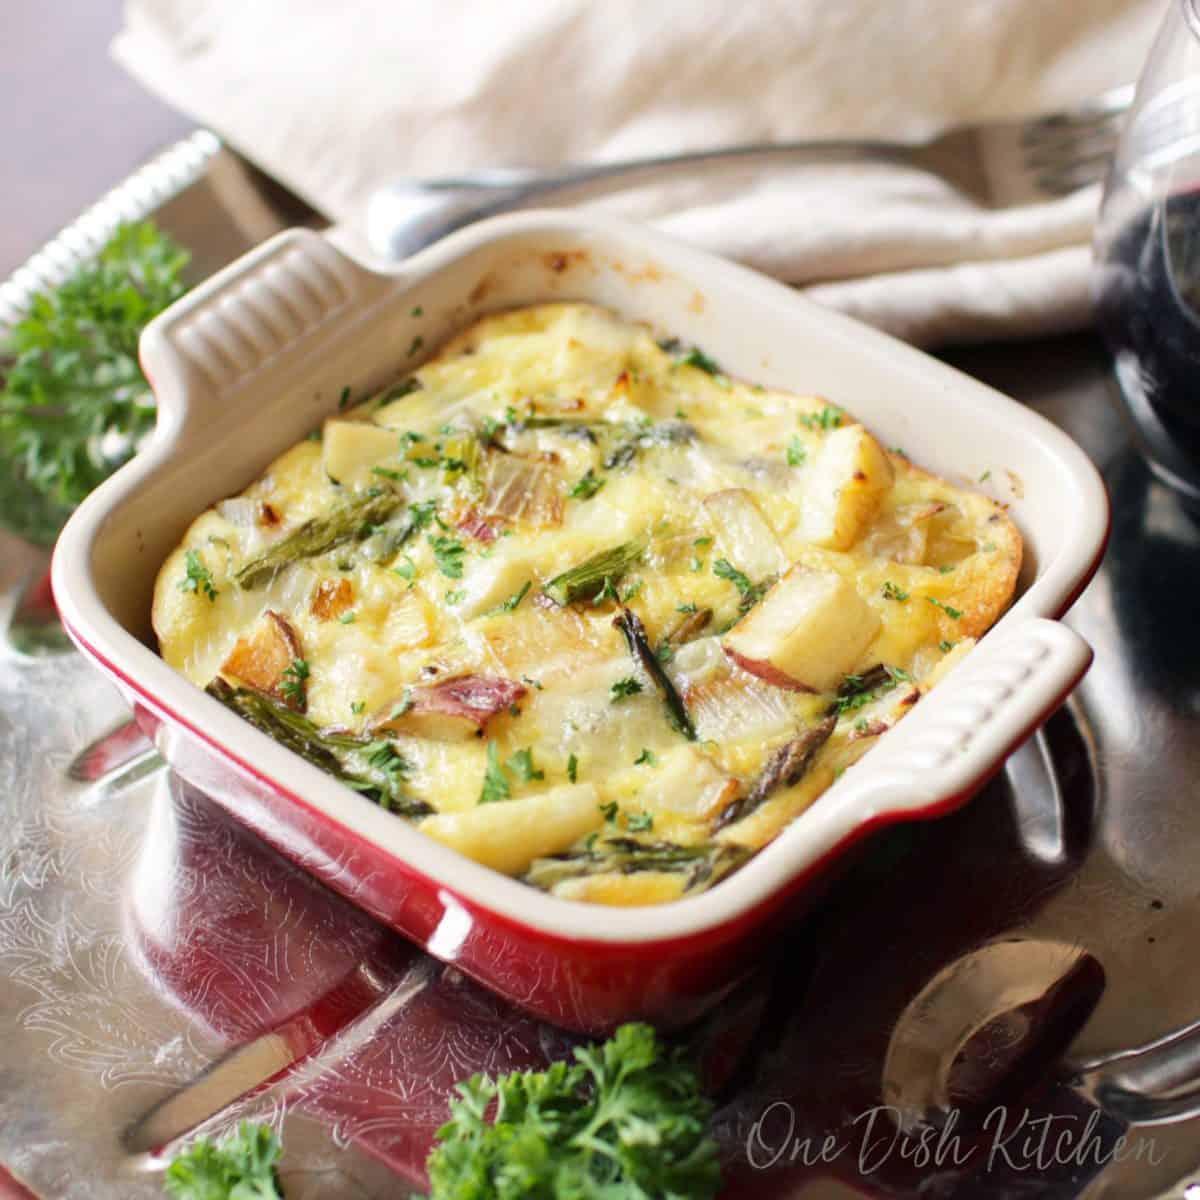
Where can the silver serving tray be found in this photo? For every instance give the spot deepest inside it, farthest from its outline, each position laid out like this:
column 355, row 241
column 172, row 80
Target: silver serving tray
column 155, row 961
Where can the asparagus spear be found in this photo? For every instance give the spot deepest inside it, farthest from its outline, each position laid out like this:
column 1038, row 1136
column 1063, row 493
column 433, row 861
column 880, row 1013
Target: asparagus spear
column 352, row 520
column 703, row 865
column 784, row 768
column 373, row 767
column 669, row 433
column 634, row 633
column 587, row 580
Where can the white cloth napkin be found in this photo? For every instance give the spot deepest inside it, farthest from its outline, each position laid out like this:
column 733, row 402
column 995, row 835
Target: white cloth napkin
column 337, row 98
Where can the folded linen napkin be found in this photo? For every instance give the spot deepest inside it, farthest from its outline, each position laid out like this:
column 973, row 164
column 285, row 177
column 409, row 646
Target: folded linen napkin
column 337, row 99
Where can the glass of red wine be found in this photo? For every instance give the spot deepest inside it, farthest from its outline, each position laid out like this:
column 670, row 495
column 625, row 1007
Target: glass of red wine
column 1148, row 255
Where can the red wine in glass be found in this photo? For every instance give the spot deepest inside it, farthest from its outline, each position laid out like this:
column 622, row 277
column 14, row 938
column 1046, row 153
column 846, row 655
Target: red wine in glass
column 1148, row 298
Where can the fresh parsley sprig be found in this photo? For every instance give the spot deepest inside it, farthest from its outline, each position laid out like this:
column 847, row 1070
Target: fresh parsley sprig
column 625, row 1119
column 242, row 1167
column 74, row 403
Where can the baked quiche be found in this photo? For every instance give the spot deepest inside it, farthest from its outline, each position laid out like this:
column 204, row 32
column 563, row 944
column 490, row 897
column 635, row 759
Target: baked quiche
column 583, row 607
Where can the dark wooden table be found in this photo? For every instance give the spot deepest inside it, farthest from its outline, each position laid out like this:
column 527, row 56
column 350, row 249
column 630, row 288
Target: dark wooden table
column 72, row 123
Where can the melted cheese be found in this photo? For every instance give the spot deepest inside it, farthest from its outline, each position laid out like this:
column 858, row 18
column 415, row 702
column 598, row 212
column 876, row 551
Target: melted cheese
column 536, row 440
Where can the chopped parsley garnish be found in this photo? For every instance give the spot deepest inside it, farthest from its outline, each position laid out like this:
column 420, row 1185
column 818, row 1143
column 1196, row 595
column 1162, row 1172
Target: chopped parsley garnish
column 641, row 822
column 859, row 690
column 696, row 357
column 422, row 514
column 294, row 685
column 388, row 473
column 344, row 399
column 418, row 311
column 586, row 487
column 892, row 592
column 448, row 553
column 384, row 757
column 347, row 618
column 796, row 453
column 406, row 569
column 456, row 597
column 697, row 565
column 411, row 437
column 572, row 768
column 495, row 781
column 511, row 604
column 702, row 541
column 426, row 463
column 646, row 758
column 985, row 477
column 945, row 646
column 631, row 591
column 415, row 346
column 750, row 592
column 953, row 613
column 358, row 707
column 828, row 418
column 685, row 608
column 198, row 579
column 608, row 810
column 521, row 763
column 625, row 688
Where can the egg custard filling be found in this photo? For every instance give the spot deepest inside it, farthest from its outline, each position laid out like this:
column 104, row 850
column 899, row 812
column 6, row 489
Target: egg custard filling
column 583, row 607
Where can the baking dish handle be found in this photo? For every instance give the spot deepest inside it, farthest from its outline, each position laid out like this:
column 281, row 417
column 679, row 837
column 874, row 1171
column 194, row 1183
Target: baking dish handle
column 965, row 728
column 282, row 300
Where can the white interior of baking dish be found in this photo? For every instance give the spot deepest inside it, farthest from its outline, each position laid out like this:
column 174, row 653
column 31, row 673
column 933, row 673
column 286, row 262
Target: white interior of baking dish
column 256, row 357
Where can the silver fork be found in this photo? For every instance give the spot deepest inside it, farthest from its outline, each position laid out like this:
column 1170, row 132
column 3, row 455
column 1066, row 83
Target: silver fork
column 999, row 164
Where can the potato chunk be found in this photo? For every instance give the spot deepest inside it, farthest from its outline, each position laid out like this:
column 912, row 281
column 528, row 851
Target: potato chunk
column 745, row 537
column 509, row 835
column 352, row 449
column 807, row 633
column 261, row 658
column 849, row 476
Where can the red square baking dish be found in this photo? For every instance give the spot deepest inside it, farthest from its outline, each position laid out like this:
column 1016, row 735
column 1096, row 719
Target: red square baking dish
column 252, row 360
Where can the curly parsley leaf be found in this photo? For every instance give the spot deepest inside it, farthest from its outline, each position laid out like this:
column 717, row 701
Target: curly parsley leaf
column 448, row 553
column 294, row 686
column 521, row 763
column 624, row 688
column 828, row 418
column 75, row 405
column 496, row 786
column 750, row 592
column 241, row 1167
column 625, row 1120
column 198, row 579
